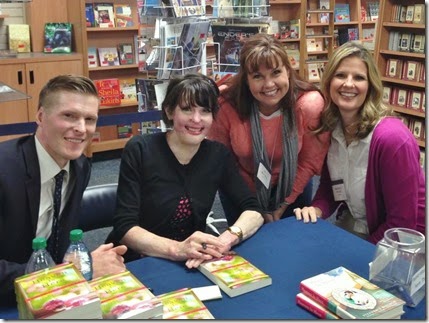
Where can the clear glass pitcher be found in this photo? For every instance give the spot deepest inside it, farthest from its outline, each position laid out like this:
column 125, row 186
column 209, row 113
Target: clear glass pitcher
column 399, row 264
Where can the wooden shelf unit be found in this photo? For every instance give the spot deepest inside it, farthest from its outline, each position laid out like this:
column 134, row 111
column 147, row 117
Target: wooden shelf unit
column 383, row 54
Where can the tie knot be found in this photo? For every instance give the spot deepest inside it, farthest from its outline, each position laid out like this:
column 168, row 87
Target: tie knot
column 60, row 175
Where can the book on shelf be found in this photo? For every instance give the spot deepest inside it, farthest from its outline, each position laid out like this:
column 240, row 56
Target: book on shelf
column 419, row 14
column 183, row 304
column 108, row 56
column 351, row 296
column 123, row 15
column 150, row 127
column 415, row 100
column 418, row 43
column 394, row 67
column 342, row 12
column 324, row 16
column 126, row 53
column 373, row 9
column 313, row 72
column 405, row 42
column 387, row 91
column 19, row 38
column 58, row 37
column 289, row 29
column 230, row 40
column 402, row 13
column 89, row 15
column 409, row 14
column 109, row 91
column 92, row 57
column 234, row 274
column 146, row 94
column 104, row 15
column 313, row 307
column 294, row 57
column 59, row 292
column 122, row 295
column 411, row 70
column 128, row 90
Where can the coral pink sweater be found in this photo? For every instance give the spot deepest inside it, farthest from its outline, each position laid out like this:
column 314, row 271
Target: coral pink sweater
column 236, row 135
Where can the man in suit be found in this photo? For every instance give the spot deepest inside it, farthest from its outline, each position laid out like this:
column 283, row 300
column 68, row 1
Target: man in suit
column 66, row 120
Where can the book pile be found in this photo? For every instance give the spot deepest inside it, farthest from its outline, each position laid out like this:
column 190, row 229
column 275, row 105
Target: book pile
column 59, row 292
column 234, row 275
column 349, row 296
column 123, row 296
column 183, row 304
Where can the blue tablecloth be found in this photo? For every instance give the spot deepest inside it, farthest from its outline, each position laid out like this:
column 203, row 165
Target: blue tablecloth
column 289, row 251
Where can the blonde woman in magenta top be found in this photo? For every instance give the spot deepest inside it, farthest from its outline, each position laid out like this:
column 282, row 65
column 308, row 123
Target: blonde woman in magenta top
column 267, row 113
column 372, row 175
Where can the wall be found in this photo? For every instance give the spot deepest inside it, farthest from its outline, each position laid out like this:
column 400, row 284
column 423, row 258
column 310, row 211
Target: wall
column 16, row 12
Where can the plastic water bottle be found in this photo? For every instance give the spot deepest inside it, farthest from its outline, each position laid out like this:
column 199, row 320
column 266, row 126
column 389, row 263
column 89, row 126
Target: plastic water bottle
column 78, row 254
column 40, row 258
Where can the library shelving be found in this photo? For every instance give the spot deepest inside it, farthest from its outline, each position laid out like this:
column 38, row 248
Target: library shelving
column 400, row 56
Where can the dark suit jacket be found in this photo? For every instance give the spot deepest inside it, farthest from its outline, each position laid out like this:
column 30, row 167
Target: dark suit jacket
column 19, row 208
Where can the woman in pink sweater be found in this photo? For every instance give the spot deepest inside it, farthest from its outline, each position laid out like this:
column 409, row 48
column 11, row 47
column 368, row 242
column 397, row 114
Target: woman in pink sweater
column 267, row 114
column 372, row 176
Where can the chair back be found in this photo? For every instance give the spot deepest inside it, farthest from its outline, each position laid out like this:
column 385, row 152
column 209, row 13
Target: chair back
column 98, row 206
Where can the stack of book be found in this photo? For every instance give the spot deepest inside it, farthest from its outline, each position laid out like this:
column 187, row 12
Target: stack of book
column 183, row 304
column 59, row 292
column 123, row 296
column 235, row 275
column 340, row 292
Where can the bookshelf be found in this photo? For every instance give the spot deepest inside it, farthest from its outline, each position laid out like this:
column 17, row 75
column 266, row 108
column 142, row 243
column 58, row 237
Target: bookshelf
column 287, row 10
column 110, row 37
column 324, row 29
column 405, row 94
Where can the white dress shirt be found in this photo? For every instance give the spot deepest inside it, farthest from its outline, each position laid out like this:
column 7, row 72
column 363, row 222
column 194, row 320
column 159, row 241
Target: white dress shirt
column 349, row 164
column 48, row 169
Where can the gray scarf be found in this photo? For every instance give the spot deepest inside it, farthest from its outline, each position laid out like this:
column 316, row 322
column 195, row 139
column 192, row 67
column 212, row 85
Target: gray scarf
column 288, row 166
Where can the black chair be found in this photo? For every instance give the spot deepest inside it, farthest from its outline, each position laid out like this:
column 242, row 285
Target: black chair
column 98, row 207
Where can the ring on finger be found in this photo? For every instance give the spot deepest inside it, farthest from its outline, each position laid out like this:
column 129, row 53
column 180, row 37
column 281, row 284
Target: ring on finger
column 204, row 245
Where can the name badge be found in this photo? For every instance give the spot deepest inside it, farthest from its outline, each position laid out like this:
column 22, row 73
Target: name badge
column 264, row 175
column 339, row 190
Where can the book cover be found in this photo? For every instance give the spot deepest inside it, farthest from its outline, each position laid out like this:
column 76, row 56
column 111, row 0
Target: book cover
column 409, row 14
column 122, row 295
column 126, row 53
column 92, row 57
column 183, row 304
column 313, row 72
column 324, row 16
column 230, row 40
column 146, row 94
column 419, row 14
column 19, row 38
column 169, row 39
column 128, row 90
column 294, row 57
column 350, row 296
column 58, row 37
column 123, row 15
column 312, row 306
column 59, row 292
column 108, row 56
column 235, row 275
column 109, row 91
column 191, row 42
column 104, row 15
column 89, row 15
column 342, row 12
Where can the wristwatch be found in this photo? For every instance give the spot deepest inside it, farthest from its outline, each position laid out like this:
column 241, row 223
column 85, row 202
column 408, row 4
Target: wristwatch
column 236, row 231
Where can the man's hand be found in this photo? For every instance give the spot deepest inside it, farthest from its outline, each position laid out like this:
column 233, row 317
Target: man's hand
column 107, row 259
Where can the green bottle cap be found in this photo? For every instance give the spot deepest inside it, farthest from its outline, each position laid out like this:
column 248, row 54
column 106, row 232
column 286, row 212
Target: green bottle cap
column 76, row 235
column 39, row 243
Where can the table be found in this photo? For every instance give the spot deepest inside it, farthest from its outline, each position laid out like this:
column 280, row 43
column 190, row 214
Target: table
column 289, row 251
